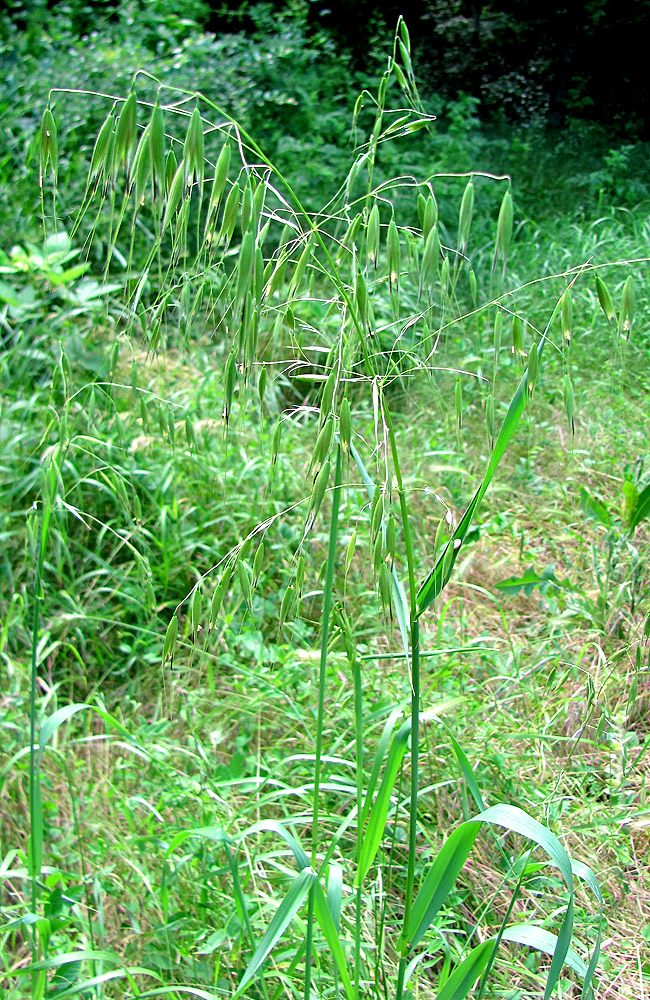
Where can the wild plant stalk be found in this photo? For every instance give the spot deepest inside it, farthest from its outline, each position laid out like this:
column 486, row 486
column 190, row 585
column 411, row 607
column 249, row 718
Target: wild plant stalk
column 366, row 302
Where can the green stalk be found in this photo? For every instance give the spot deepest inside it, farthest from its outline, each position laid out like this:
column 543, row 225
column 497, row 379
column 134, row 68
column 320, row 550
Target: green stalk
column 327, row 610
column 414, row 628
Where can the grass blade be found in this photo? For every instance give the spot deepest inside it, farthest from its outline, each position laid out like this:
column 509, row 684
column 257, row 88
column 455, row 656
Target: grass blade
column 283, row 917
column 328, row 927
column 379, row 811
column 440, row 880
column 465, row 975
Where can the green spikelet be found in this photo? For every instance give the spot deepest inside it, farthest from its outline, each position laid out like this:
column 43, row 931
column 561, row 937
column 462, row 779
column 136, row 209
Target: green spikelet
column 605, row 299
column 465, row 216
column 567, row 316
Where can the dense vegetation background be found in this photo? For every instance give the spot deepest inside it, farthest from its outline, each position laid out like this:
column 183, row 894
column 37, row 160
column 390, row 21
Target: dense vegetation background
column 205, row 657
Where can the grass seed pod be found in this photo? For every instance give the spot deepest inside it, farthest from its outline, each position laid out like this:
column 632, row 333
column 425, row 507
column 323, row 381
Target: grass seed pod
column 376, row 511
column 320, row 486
column 361, row 295
column 444, row 275
column 498, row 333
column 378, row 553
column 157, row 148
column 247, row 206
column 230, row 212
column 230, row 379
column 259, row 197
column 349, row 552
column 323, row 443
column 406, row 59
column 275, row 442
column 287, row 601
column 174, row 196
column 430, row 258
column 393, row 255
column 345, row 424
column 126, row 131
column 261, row 384
column 352, row 232
column 422, row 204
column 245, row 262
column 48, row 144
column 465, row 215
column 300, row 573
column 170, row 639
column 399, row 73
column 517, row 336
column 430, row 215
column 189, row 432
column 384, row 589
column 215, row 606
column 391, row 538
column 328, row 393
column 197, row 608
column 300, row 269
column 473, row 286
column 101, row 147
column 567, row 315
column 257, row 563
column 171, row 166
column 140, row 168
column 372, row 235
column 605, row 299
column 193, row 150
column 244, row 579
column 626, row 315
column 504, row 228
column 220, row 175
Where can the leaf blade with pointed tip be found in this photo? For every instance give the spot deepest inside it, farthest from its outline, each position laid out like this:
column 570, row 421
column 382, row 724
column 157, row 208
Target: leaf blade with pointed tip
column 281, row 920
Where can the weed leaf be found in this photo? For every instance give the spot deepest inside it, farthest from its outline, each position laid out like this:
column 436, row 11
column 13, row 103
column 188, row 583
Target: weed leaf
column 283, row 917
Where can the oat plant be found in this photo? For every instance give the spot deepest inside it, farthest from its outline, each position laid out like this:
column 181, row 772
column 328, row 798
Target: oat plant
column 346, row 314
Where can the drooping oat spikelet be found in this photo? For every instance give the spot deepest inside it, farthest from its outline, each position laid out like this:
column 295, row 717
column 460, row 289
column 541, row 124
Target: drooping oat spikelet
column 465, row 216
column 567, row 316
column 626, row 314
column 605, row 299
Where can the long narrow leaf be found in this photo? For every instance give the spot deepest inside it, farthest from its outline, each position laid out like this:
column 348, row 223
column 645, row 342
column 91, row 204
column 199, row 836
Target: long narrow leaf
column 465, row 975
column 439, row 575
column 641, row 509
column 380, row 753
column 51, row 724
column 379, row 811
column 273, row 826
column 283, row 917
column 330, row 933
column 536, row 937
column 440, row 880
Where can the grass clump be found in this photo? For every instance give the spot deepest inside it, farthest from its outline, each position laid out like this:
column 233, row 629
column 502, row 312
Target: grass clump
column 275, row 671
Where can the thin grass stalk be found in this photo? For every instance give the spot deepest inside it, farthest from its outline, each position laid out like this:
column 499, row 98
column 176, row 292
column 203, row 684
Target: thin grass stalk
column 35, row 816
column 358, row 724
column 322, row 676
column 414, row 628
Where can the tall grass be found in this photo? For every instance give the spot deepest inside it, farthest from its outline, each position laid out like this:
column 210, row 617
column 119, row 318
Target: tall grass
column 328, row 325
